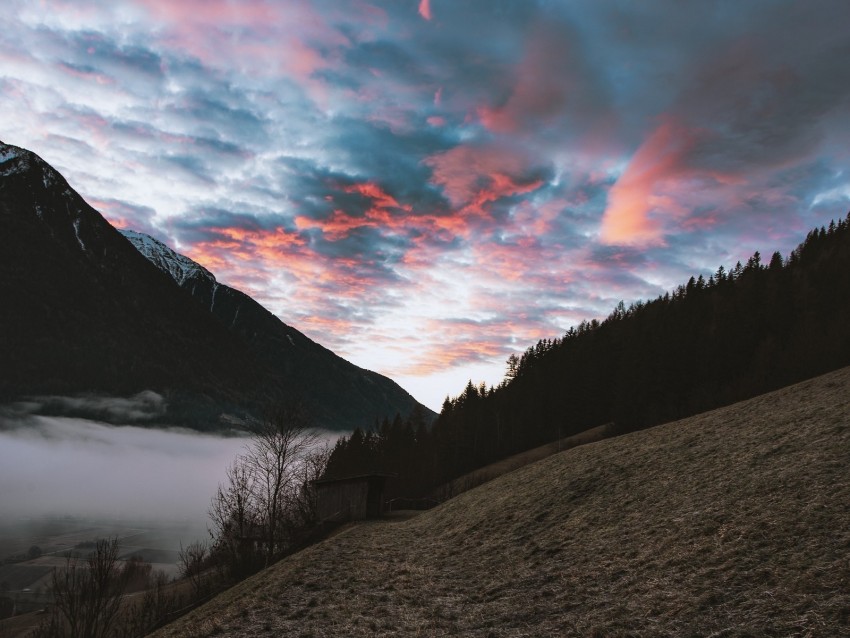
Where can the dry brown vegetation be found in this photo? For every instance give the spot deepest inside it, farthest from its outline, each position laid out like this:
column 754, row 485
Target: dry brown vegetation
column 735, row 522
column 516, row 461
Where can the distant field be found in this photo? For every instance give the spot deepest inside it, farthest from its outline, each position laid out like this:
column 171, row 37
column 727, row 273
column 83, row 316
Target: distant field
column 735, row 522
column 20, row 576
column 157, row 543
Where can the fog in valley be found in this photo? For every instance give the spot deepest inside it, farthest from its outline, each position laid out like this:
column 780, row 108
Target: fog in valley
column 66, row 479
column 69, row 466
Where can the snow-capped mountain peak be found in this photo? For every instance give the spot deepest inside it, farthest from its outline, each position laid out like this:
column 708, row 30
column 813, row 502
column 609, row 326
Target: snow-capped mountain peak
column 15, row 160
column 178, row 266
column 8, row 152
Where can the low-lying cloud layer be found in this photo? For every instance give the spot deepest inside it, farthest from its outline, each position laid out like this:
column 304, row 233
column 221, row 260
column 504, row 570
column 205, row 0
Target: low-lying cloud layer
column 428, row 185
column 144, row 407
column 67, row 466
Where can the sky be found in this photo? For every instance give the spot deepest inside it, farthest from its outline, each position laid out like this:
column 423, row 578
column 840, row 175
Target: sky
column 428, row 186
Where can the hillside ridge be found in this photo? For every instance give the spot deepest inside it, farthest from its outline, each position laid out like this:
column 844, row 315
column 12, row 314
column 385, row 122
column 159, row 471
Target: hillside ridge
column 727, row 523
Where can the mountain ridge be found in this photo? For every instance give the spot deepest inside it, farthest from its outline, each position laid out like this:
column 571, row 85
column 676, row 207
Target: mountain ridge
column 86, row 312
column 281, row 346
column 179, row 267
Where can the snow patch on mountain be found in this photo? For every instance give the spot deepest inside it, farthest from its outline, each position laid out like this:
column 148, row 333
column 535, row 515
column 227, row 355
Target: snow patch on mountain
column 77, row 233
column 8, row 153
column 27, row 161
column 7, row 166
column 214, row 290
column 178, row 266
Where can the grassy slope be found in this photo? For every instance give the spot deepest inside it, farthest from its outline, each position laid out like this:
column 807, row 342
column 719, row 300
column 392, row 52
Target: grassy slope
column 494, row 470
column 735, row 522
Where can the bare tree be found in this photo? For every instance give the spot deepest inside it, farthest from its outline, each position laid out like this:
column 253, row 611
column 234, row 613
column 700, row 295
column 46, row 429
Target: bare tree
column 191, row 560
column 235, row 521
column 257, row 511
column 232, row 511
column 279, row 444
column 151, row 609
column 87, row 594
column 312, row 468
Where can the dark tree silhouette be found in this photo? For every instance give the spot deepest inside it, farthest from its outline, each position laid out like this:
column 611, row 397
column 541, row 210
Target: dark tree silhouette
column 709, row 342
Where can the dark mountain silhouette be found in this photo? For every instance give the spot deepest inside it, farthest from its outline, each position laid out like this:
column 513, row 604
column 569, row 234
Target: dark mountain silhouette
column 84, row 311
column 310, row 370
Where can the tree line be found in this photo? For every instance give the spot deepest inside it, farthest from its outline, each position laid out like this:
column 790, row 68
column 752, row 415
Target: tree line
column 710, row 342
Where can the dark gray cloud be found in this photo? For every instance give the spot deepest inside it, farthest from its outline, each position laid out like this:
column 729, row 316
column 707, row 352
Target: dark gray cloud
column 143, row 407
column 223, row 112
column 104, row 51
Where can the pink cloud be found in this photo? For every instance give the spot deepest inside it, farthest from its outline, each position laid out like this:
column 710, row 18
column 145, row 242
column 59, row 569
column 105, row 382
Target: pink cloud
column 472, row 175
column 425, row 9
column 379, row 197
column 463, row 341
column 536, row 220
column 636, row 201
column 460, row 342
column 257, row 37
column 240, row 245
column 549, row 85
column 214, row 11
column 384, row 212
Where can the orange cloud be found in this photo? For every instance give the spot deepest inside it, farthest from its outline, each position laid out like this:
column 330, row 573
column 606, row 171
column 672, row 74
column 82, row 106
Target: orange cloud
column 636, row 200
column 472, row 175
column 240, row 245
column 380, row 198
column 380, row 214
column 390, row 216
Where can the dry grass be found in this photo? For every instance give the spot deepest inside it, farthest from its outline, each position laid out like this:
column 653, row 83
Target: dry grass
column 731, row 523
column 495, row 470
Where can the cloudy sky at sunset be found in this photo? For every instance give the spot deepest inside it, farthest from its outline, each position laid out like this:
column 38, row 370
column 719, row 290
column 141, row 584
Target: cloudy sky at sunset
column 427, row 186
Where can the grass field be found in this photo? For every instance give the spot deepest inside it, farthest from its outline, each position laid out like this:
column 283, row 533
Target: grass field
column 512, row 463
column 735, row 522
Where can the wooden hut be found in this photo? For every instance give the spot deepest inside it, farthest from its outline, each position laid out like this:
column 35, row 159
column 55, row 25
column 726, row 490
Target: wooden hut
column 350, row 498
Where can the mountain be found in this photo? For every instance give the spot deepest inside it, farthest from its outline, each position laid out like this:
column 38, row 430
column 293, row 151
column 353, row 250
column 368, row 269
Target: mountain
column 336, row 388
column 84, row 312
column 729, row 523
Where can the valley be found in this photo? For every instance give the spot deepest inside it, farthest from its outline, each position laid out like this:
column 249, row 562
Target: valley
column 31, row 549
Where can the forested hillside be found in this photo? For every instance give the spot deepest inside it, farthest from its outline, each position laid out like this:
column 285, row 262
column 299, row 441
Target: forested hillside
column 731, row 523
column 744, row 331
